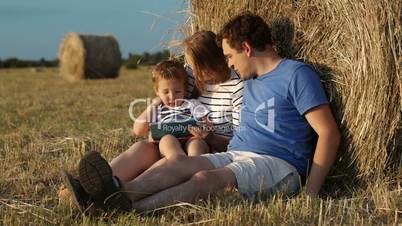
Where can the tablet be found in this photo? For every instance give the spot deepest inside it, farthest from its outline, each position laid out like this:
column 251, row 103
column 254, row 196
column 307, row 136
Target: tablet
column 177, row 129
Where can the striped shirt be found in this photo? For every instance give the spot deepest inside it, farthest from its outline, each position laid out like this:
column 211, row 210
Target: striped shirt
column 223, row 100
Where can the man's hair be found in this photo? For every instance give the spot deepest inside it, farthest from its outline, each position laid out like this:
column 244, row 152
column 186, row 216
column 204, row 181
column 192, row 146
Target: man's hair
column 201, row 48
column 246, row 27
column 169, row 69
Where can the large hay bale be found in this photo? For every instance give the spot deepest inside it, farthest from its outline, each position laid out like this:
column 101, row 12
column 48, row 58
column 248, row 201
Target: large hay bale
column 355, row 45
column 89, row 57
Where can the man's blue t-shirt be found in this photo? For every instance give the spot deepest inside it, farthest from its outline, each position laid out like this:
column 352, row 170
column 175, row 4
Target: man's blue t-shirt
column 272, row 118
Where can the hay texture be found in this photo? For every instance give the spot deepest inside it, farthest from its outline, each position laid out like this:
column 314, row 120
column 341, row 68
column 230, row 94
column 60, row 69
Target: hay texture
column 89, row 57
column 355, row 45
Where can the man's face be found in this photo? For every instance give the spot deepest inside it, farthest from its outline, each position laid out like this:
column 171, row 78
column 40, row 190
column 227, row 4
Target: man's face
column 238, row 60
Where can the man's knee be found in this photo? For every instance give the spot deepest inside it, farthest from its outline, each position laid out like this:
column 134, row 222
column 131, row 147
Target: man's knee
column 203, row 177
column 214, row 179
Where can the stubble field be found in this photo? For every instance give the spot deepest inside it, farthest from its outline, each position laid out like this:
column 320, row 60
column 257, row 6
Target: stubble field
column 47, row 124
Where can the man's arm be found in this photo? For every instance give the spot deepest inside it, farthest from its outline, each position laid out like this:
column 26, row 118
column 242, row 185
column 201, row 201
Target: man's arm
column 323, row 123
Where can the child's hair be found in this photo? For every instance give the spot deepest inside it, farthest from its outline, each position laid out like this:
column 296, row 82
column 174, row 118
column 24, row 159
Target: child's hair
column 169, row 69
column 201, row 48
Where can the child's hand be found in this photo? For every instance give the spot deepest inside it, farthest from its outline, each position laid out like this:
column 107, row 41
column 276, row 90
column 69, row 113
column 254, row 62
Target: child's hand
column 156, row 101
column 202, row 131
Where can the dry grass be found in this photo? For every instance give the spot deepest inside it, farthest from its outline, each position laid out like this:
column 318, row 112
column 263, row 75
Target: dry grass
column 355, row 45
column 47, row 124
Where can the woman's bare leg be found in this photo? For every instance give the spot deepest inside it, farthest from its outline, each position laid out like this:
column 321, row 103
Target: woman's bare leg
column 131, row 163
column 169, row 173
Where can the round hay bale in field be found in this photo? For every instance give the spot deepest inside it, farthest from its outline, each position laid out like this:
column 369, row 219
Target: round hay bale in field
column 355, row 45
column 89, row 57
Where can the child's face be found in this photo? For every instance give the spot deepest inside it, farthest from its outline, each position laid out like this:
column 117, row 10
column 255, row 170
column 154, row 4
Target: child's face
column 171, row 92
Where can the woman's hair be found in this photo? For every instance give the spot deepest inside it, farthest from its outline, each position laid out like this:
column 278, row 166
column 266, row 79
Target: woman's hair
column 207, row 57
column 169, row 69
column 246, row 27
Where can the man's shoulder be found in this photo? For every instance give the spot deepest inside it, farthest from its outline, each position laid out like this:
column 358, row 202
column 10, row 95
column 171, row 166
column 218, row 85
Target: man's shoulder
column 293, row 69
column 294, row 65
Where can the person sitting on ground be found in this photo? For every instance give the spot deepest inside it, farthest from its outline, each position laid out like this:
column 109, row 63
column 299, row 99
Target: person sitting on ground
column 170, row 81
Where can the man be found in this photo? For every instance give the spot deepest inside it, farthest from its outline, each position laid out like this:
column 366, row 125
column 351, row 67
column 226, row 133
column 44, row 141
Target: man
column 284, row 109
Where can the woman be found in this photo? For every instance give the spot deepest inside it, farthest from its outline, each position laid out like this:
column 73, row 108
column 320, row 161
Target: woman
column 221, row 92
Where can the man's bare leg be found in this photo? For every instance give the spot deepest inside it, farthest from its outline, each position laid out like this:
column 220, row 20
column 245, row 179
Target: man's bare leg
column 170, row 173
column 200, row 185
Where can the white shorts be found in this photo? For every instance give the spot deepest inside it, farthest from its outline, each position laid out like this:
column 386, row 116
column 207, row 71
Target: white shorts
column 258, row 176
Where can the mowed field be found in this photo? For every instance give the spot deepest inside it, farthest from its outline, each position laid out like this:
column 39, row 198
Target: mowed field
column 47, row 124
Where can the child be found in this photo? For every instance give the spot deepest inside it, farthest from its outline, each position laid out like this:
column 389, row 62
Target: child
column 170, row 81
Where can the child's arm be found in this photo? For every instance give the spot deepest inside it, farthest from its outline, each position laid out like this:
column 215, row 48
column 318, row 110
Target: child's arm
column 141, row 124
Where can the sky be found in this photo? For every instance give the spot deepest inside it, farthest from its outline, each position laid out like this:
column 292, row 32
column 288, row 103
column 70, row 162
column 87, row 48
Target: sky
column 32, row 29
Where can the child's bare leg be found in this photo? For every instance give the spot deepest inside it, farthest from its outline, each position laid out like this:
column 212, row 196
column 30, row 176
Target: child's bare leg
column 196, row 146
column 169, row 146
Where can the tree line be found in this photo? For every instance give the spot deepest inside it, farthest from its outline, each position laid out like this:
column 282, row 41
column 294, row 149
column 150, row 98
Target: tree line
column 18, row 63
column 145, row 58
column 131, row 62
